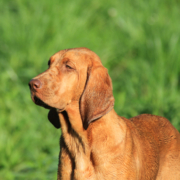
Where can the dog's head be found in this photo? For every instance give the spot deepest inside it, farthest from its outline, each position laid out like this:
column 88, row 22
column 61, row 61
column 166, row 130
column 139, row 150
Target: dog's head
column 74, row 75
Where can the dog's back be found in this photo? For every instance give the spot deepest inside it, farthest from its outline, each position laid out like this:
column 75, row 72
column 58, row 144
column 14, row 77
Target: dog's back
column 160, row 146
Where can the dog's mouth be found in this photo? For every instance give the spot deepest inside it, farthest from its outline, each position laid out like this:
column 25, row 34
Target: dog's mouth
column 39, row 102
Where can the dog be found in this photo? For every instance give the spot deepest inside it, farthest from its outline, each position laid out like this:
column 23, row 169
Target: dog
column 96, row 143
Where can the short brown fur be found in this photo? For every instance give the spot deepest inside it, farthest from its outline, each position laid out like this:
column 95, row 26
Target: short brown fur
column 96, row 143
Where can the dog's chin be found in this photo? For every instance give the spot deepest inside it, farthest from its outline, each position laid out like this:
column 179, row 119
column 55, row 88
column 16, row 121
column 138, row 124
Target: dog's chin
column 39, row 102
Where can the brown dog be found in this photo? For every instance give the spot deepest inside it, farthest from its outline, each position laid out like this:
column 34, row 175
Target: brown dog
column 96, row 143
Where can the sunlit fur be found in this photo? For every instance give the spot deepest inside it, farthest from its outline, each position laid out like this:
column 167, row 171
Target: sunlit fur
column 96, row 143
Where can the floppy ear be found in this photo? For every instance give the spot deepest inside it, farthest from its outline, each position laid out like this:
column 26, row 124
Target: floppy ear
column 54, row 118
column 97, row 98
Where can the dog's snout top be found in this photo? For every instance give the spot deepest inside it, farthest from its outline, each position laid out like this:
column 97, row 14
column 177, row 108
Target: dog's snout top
column 35, row 84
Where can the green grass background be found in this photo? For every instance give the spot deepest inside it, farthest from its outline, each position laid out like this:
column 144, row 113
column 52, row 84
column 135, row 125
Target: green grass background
column 137, row 40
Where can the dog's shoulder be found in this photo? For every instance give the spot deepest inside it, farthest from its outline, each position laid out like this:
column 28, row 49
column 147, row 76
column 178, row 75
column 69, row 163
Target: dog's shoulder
column 155, row 127
column 151, row 121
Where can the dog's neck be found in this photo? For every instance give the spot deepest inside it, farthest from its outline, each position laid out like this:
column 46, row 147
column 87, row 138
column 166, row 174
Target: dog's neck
column 70, row 119
column 76, row 138
column 72, row 125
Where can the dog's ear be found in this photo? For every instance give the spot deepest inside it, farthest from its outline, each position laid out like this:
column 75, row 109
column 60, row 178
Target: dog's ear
column 97, row 98
column 54, row 118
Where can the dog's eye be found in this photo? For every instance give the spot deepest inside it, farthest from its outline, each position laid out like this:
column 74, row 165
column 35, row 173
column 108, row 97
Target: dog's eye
column 68, row 67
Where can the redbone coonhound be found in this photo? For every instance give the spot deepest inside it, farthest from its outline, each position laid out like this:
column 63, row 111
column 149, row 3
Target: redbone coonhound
column 96, row 143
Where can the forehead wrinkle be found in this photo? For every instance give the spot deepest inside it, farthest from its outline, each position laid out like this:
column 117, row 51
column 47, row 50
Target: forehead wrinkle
column 81, row 56
column 72, row 58
column 77, row 57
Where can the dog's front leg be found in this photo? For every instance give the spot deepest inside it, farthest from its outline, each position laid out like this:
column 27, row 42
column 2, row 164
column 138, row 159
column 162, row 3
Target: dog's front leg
column 65, row 167
column 84, row 169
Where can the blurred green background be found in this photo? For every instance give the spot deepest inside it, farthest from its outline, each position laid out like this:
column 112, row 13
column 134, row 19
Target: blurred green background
column 138, row 41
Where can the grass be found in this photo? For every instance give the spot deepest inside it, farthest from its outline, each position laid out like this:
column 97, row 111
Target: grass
column 138, row 41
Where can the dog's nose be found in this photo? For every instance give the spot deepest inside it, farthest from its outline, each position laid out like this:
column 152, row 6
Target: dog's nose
column 35, row 84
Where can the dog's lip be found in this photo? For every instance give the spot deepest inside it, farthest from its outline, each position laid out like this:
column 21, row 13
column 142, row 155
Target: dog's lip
column 39, row 102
